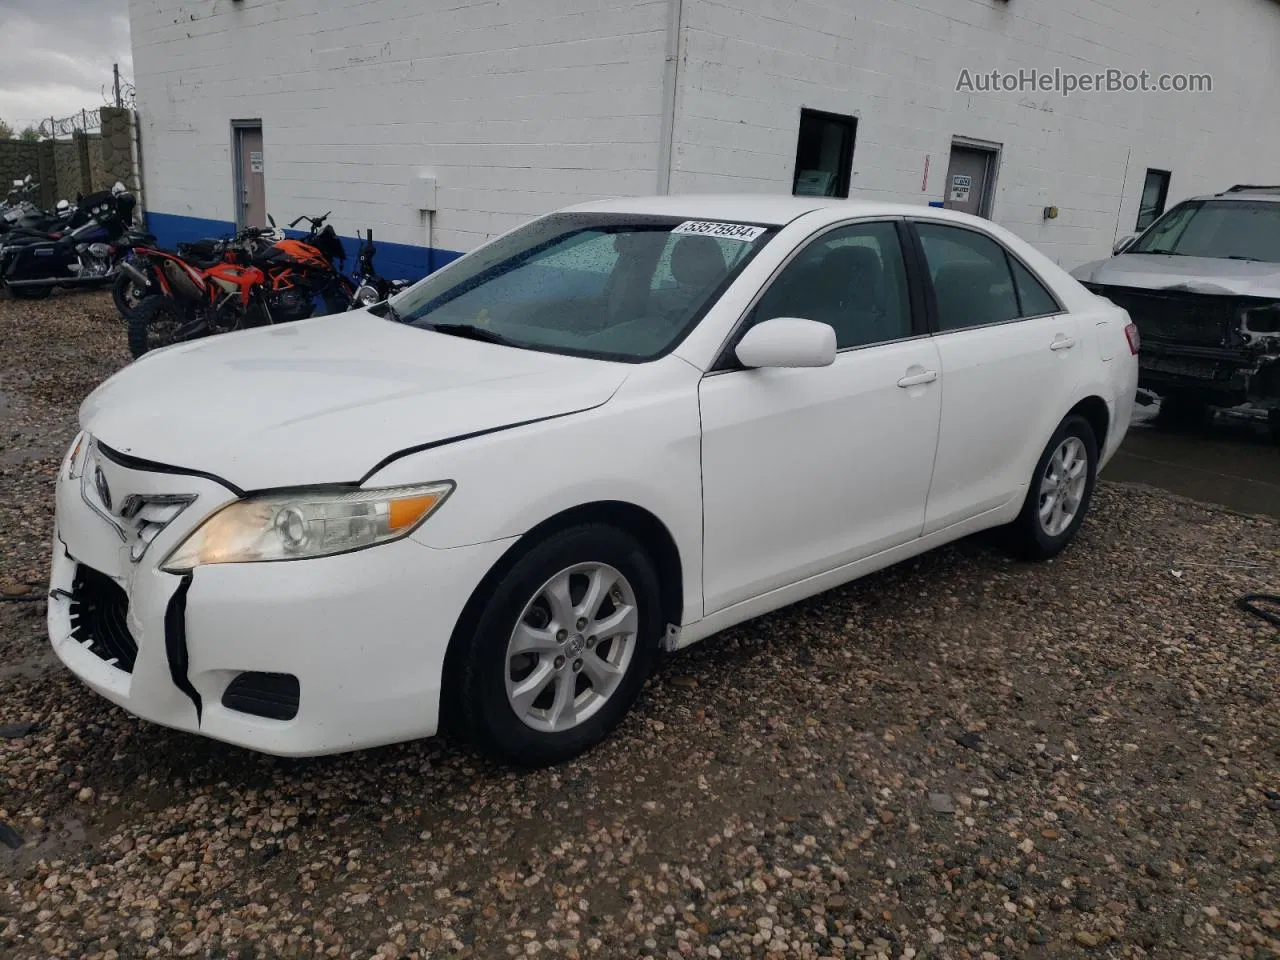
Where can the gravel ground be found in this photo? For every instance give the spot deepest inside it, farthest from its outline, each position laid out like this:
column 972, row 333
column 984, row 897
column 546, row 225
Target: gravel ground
column 961, row 757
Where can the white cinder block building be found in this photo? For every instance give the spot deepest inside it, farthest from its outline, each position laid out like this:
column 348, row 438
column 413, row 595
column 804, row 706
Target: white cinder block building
column 441, row 123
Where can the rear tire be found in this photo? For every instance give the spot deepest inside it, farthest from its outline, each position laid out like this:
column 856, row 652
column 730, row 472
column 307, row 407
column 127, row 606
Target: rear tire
column 1060, row 492
column 30, row 293
column 154, row 324
column 598, row 667
column 127, row 295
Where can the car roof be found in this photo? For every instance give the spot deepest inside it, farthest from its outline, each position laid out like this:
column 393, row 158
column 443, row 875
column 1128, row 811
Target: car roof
column 775, row 210
column 1245, row 192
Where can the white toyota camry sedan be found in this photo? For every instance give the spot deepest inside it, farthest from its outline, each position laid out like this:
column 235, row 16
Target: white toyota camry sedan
column 492, row 502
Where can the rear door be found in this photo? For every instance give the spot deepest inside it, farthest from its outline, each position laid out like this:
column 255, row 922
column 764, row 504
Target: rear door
column 1011, row 358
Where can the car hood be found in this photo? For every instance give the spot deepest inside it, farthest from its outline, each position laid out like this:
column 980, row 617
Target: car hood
column 1234, row 278
column 326, row 400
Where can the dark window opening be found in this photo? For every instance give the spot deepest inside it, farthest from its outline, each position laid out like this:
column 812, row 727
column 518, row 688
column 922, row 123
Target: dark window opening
column 824, row 154
column 972, row 282
column 1034, row 299
column 1155, row 191
column 853, row 279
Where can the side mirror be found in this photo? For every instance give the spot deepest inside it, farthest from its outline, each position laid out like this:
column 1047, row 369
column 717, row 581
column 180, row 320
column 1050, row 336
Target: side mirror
column 1123, row 244
column 788, row 342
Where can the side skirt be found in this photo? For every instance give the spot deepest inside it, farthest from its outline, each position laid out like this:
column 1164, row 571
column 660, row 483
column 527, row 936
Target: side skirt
column 793, row 593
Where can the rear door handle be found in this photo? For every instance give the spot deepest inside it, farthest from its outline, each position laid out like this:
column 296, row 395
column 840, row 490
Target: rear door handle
column 1062, row 343
column 918, row 378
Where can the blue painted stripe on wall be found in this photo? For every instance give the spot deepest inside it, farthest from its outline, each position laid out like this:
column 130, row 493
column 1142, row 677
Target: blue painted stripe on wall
column 395, row 261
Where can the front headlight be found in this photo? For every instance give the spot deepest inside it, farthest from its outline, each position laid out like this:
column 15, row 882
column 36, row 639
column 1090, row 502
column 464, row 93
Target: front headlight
column 73, row 456
column 306, row 523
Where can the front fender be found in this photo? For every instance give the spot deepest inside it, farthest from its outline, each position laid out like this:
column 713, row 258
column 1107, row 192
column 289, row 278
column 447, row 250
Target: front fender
column 642, row 447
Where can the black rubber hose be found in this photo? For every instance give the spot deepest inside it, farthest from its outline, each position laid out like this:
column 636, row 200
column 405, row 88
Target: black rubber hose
column 1256, row 603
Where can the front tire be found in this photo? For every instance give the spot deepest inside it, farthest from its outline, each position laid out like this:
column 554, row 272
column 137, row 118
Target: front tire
column 127, row 295
column 561, row 649
column 155, row 323
column 1060, row 492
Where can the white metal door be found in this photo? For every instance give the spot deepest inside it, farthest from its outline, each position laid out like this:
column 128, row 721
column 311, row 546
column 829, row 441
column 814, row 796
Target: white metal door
column 805, row 470
column 1010, row 378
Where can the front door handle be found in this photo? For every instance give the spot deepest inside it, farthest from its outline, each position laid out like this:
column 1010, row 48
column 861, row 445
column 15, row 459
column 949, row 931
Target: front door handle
column 915, row 379
column 1062, row 343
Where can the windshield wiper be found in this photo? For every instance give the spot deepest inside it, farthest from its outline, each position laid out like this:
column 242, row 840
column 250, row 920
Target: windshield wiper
column 471, row 333
column 1160, row 253
column 1236, row 256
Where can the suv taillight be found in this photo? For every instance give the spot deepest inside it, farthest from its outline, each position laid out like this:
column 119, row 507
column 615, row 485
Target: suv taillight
column 1135, row 339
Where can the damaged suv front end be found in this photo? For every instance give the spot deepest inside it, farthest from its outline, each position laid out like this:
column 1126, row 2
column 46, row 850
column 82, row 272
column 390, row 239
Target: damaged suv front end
column 1203, row 286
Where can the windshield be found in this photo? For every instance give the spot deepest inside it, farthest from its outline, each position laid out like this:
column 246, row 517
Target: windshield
column 1220, row 229
column 612, row 286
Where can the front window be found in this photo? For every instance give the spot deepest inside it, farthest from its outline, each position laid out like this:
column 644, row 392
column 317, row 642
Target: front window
column 1218, row 229
column 611, row 286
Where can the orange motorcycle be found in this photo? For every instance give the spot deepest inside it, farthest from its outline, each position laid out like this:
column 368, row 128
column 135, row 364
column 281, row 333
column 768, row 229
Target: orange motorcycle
column 248, row 287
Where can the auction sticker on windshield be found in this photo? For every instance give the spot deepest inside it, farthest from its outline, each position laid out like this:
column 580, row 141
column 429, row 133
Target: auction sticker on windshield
column 724, row 231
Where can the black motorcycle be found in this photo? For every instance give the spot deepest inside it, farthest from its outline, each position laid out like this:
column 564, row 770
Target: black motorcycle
column 371, row 286
column 27, row 220
column 86, row 251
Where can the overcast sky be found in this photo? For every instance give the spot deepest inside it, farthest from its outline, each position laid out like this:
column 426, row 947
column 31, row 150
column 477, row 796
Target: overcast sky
column 56, row 55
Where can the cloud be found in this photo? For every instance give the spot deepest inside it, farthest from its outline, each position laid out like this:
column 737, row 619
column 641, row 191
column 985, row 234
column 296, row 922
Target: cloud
column 56, row 56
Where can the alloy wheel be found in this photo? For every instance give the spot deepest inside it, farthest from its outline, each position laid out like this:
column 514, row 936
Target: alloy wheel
column 1062, row 486
column 571, row 647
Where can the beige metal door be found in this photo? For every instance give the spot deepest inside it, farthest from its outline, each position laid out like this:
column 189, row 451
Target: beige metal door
column 969, row 179
column 251, row 179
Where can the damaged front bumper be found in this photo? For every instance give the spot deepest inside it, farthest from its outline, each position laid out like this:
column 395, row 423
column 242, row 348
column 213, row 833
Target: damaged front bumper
column 296, row 658
column 1223, row 350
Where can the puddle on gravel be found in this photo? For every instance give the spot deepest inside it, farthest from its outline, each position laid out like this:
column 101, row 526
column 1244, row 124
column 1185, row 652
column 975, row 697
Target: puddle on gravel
column 55, row 841
column 20, row 439
column 28, row 669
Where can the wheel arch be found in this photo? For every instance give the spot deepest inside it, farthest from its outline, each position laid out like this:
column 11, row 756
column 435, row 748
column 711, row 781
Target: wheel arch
column 1094, row 410
column 646, row 527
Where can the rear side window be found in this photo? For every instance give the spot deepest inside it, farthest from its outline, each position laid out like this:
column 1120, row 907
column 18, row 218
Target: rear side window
column 972, row 282
column 1034, row 299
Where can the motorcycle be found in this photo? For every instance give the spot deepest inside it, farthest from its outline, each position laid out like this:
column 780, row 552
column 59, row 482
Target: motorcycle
column 310, row 266
column 246, row 288
column 137, row 280
column 371, row 287
column 19, row 206
column 86, row 252
column 195, row 301
column 20, row 217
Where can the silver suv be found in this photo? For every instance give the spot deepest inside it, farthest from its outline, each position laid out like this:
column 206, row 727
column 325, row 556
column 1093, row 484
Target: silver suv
column 1203, row 285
